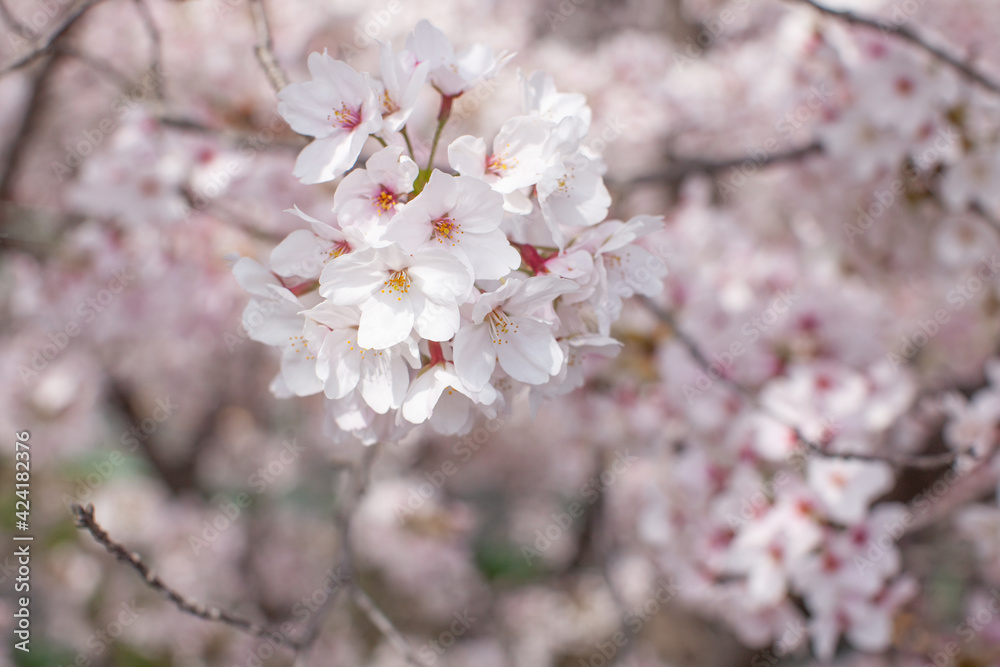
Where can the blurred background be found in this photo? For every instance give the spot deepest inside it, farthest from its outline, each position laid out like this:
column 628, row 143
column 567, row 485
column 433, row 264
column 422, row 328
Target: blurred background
column 830, row 191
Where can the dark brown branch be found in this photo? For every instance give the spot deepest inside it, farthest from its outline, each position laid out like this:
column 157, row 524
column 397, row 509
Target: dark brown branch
column 46, row 45
column 84, row 517
column 264, row 48
column 680, row 168
column 343, row 518
column 385, row 626
column 30, row 121
column 907, row 34
column 986, row 216
column 155, row 45
column 10, row 19
column 177, row 478
column 360, row 597
column 100, row 66
column 927, row 462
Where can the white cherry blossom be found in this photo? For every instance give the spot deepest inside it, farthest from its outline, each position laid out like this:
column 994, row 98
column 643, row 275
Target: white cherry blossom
column 399, row 293
column 506, row 328
column 340, row 108
column 462, row 216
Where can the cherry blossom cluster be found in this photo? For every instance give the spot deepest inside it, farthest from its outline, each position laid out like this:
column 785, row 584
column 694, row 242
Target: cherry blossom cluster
column 436, row 293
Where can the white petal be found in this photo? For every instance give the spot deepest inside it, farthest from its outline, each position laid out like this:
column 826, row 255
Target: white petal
column 384, row 380
column 491, row 255
column 351, row 279
column 475, row 357
column 529, row 352
column 339, row 363
column 422, row 397
column 385, row 321
column 327, row 158
column 253, row 277
column 538, row 292
column 298, row 369
column 435, row 320
column 467, row 155
column 298, row 255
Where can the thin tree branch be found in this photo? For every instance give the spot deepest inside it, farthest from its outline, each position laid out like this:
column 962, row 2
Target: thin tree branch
column 155, row 45
column 680, row 168
column 358, row 594
column 84, row 517
column 962, row 67
column 10, row 19
column 102, row 67
column 385, row 626
column 927, row 462
column 986, row 216
column 264, row 48
column 30, row 120
column 296, row 143
column 975, row 482
column 46, row 45
column 343, row 519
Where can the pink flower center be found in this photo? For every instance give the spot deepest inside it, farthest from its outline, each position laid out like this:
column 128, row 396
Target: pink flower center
column 388, row 106
column 345, row 118
column 384, row 201
column 498, row 166
column 397, row 282
column 338, row 249
column 446, row 228
column 904, row 86
column 500, row 326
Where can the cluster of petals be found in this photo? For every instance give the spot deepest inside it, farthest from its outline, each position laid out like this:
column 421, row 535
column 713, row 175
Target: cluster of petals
column 436, row 294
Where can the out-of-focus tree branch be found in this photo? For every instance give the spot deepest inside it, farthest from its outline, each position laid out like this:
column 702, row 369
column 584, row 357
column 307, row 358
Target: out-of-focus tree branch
column 343, row 519
column 155, row 45
column 964, row 68
column 927, row 462
column 9, row 18
column 46, row 45
column 99, row 65
column 680, row 168
column 30, row 120
column 85, row 519
column 264, row 47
